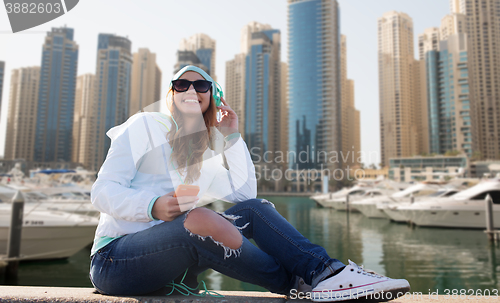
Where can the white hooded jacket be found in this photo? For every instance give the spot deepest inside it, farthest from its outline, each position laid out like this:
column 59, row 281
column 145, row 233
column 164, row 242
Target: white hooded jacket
column 138, row 169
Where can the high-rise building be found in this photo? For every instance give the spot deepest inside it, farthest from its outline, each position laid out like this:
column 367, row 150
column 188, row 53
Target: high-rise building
column 263, row 89
column 234, row 90
column 145, row 86
column 84, row 121
column 449, row 121
column 420, row 105
column 112, row 91
column 427, row 41
column 254, row 81
column 457, row 6
column 198, row 50
column 56, row 96
column 284, row 108
column 399, row 91
column 452, row 24
column 158, row 76
column 449, row 103
column 351, row 139
column 22, row 113
column 483, row 57
column 314, row 85
column 2, row 72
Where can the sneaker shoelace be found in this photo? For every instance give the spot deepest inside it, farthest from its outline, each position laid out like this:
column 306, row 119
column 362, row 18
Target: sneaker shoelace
column 368, row 272
column 185, row 290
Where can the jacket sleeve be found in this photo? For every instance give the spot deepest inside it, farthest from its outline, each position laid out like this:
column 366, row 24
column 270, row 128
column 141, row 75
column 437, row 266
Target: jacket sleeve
column 112, row 192
column 237, row 183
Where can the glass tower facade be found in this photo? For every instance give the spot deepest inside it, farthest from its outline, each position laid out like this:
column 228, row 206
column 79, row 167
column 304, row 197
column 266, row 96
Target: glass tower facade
column 262, row 83
column 431, row 62
column 56, row 96
column 314, row 83
column 113, row 82
column 448, row 97
column 205, row 57
column 198, row 50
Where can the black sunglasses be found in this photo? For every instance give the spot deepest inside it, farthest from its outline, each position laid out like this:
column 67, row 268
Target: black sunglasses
column 182, row 85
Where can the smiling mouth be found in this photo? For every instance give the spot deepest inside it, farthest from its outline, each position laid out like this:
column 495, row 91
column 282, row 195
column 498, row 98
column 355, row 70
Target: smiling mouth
column 191, row 101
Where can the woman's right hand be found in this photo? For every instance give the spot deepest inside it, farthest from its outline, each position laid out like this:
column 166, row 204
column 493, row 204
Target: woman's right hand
column 168, row 207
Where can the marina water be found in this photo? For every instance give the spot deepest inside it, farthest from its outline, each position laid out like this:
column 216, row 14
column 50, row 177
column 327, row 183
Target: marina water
column 431, row 259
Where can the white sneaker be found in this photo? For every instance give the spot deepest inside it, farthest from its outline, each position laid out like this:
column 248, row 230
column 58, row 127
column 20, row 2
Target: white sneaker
column 354, row 282
column 303, row 287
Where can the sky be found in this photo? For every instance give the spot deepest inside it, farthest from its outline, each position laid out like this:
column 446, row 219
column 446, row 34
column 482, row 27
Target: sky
column 160, row 25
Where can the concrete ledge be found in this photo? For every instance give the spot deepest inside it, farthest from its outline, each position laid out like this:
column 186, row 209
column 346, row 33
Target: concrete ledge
column 88, row 295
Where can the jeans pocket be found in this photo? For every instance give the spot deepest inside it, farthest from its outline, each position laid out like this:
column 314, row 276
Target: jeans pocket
column 104, row 252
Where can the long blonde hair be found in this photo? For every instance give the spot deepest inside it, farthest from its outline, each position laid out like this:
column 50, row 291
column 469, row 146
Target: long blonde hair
column 188, row 149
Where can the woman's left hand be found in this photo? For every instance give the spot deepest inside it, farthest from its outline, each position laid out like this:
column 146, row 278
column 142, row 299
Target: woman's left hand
column 229, row 121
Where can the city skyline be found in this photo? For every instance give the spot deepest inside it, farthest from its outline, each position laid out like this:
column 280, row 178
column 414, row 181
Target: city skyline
column 362, row 64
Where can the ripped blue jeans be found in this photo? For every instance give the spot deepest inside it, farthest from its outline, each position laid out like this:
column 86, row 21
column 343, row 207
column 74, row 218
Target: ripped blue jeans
column 144, row 262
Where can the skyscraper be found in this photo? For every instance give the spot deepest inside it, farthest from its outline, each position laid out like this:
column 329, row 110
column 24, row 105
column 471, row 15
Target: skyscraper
column 314, row 83
column 56, row 96
column 234, row 90
column 145, row 85
column 197, row 50
column 351, row 139
column 84, row 122
column 451, row 24
column 254, row 81
column 2, row 72
column 263, row 88
column 284, row 108
column 427, row 41
column 112, row 86
column 399, row 92
column 448, row 89
column 22, row 113
column 483, row 46
column 448, row 97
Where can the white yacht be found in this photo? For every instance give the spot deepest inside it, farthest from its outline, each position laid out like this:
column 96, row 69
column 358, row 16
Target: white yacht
column 362, row 191
column 392, row 209
column 341, row 194
column 46, row 234
column 71, row 199
column 465, row 209
column 369, row 206
column 320, row 197
column 340, row 203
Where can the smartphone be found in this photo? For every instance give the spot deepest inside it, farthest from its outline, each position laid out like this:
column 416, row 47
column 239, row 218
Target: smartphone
column 186, row 190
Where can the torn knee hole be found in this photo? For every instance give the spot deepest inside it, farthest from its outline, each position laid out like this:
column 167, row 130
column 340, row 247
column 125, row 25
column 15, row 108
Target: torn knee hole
column 206, row 223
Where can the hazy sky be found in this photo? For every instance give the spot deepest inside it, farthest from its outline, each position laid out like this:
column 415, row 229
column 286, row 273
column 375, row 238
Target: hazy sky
column 160, row 25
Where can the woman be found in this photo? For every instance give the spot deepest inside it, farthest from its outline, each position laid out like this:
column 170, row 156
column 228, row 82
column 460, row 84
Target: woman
column 146, row 237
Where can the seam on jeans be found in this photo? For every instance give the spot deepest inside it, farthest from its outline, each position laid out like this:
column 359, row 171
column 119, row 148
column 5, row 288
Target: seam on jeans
column 273, row 227
column 228, row 252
